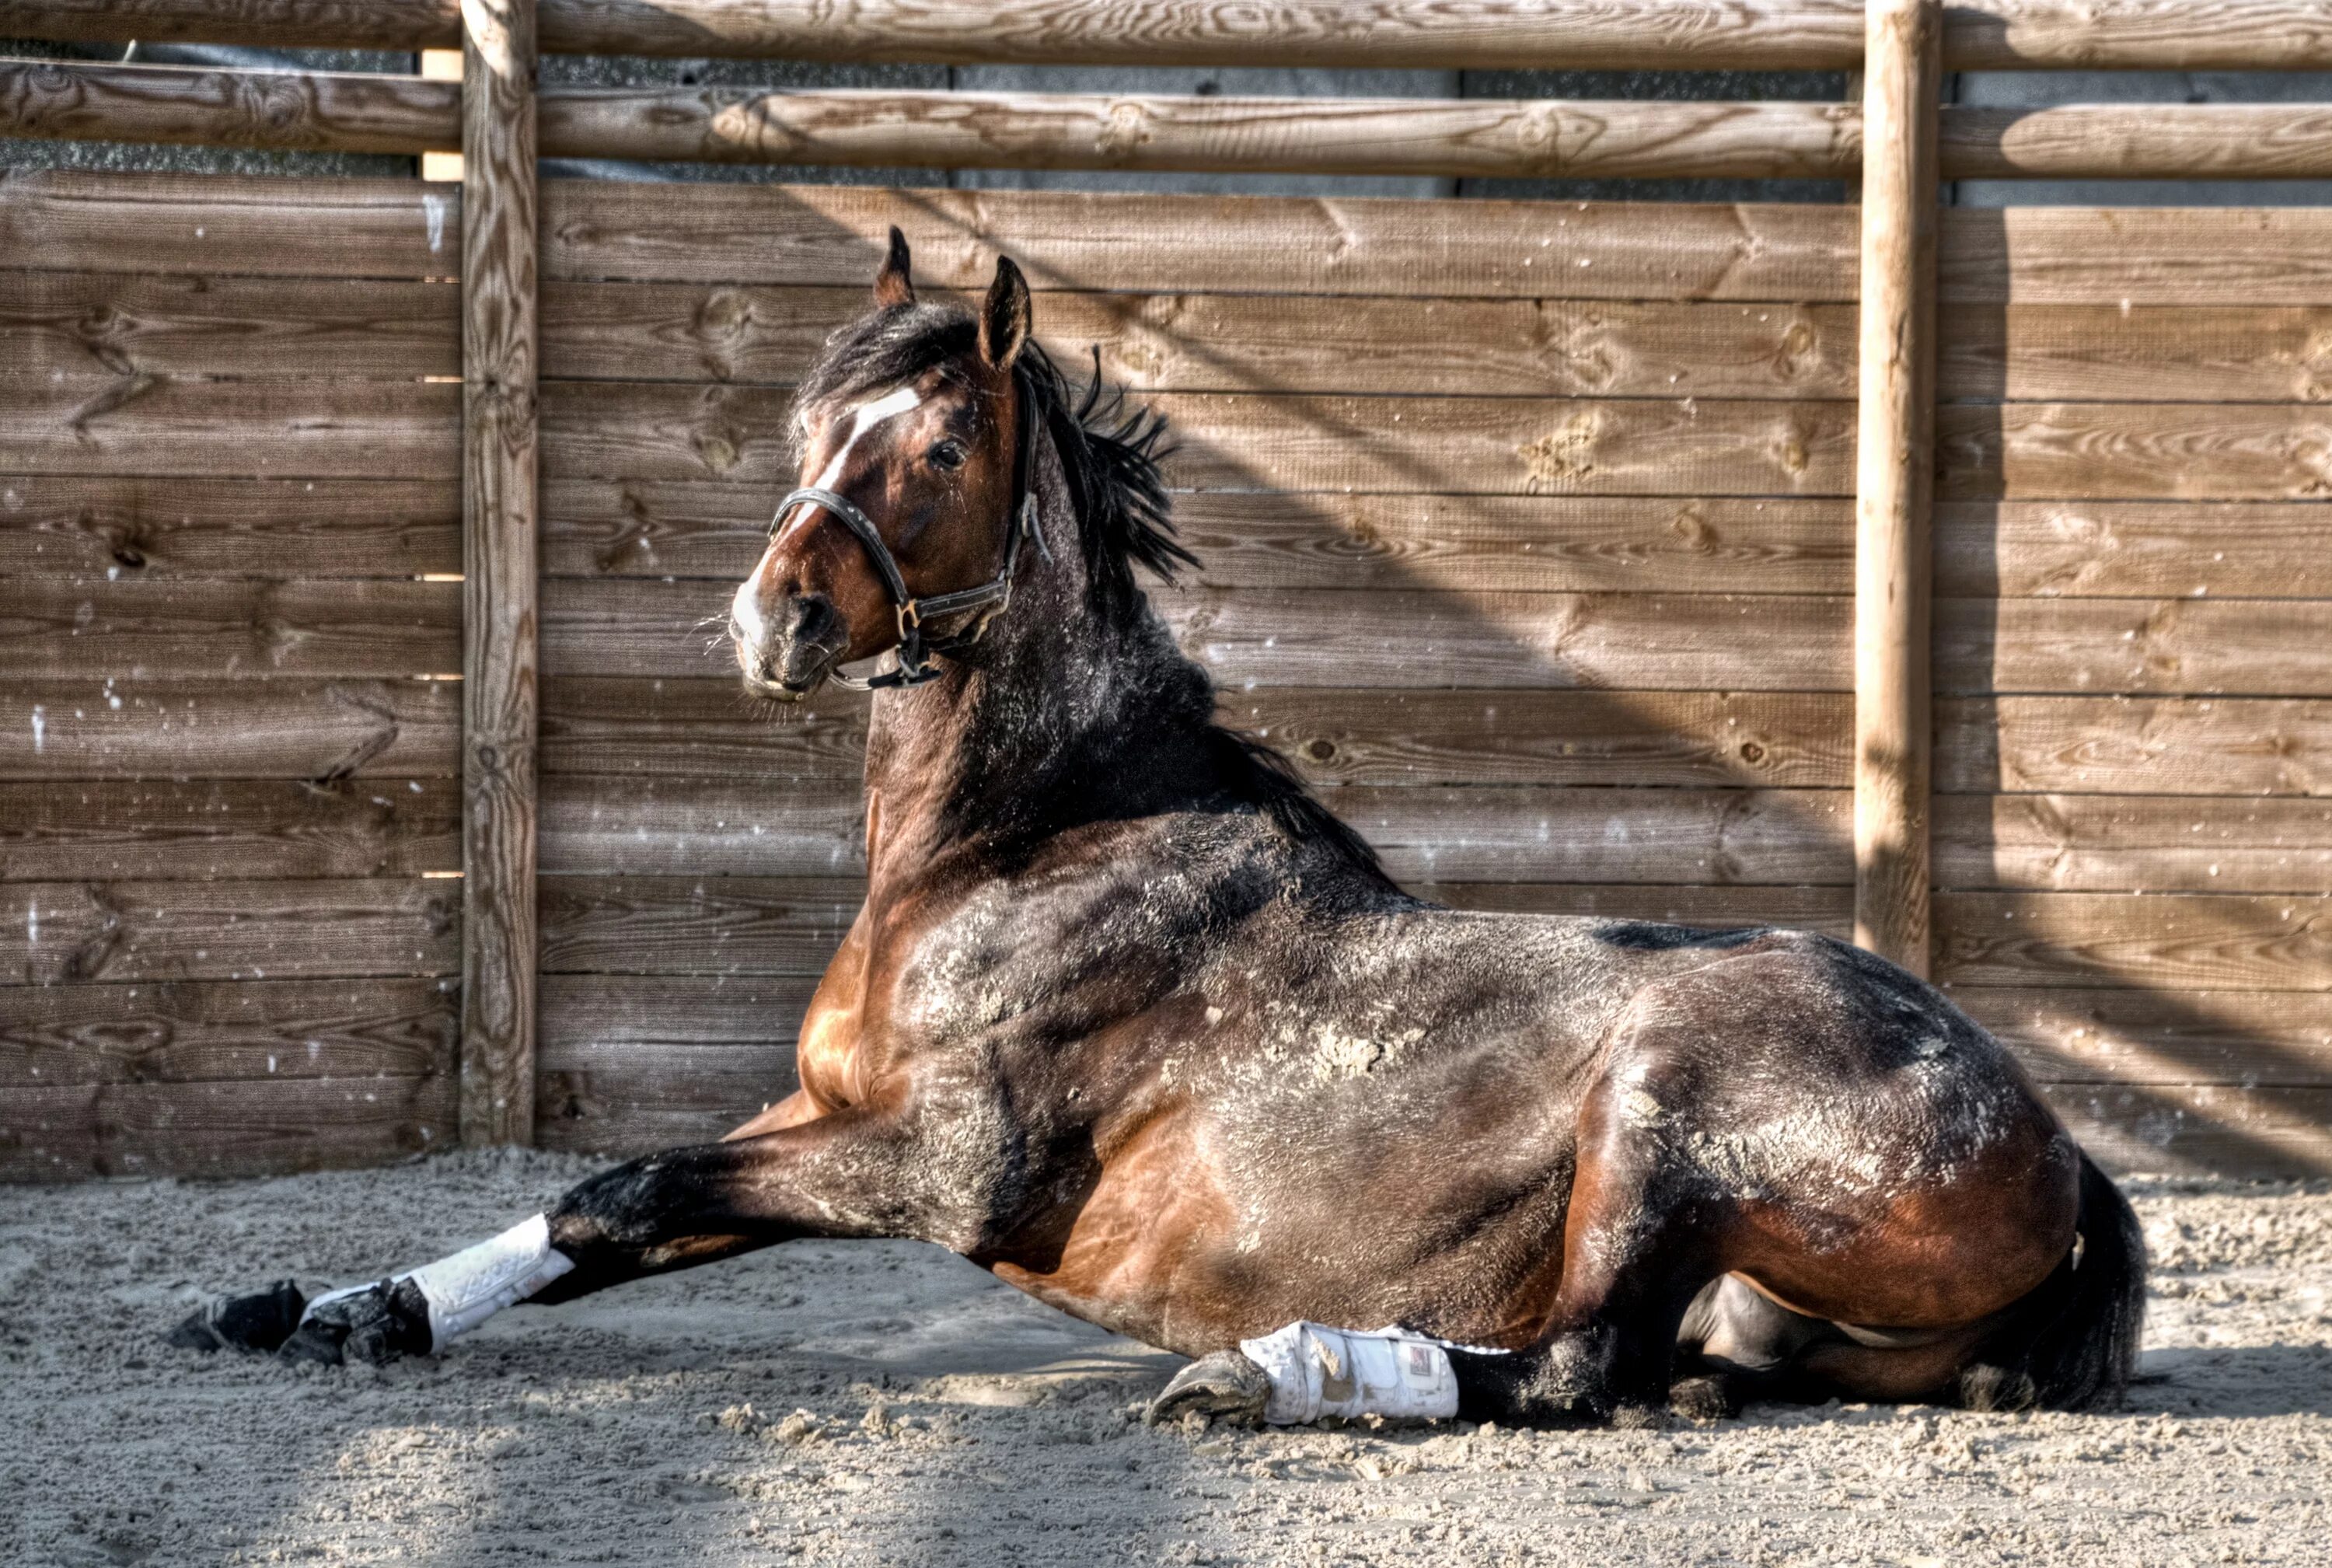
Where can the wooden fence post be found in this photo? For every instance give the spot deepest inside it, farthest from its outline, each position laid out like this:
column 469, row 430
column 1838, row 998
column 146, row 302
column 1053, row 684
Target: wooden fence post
column 500, row 565
column 1894, row 479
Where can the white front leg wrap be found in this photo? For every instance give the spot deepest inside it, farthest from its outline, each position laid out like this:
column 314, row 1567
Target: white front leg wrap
column 472, row 1284
column 1317, row 1371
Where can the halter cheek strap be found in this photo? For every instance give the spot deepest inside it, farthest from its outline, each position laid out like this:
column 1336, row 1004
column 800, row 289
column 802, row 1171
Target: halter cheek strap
column 911, row 666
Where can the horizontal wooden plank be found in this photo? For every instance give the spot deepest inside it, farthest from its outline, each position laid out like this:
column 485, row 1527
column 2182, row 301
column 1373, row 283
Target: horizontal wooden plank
column 707, row 925
column 186, row 1032
column 1571, row 34
column 1219, row 342
column 1545, row 347
column 628, row 1063
column 896, row 126
column 1439, row 446
column 86, row 525
column 272, row 111
column 157, row 829
column 109, row 325
column 2118, row 548
column 834, row 236
column 2202, row 646
column 606, row 826
column 706, row 728
column 2113, row 352
column 2134, row 745
column 210, row 225
column 680, row 528
column 2055, row 255
column 155, row 425
column 2198, row 1130
column 2172, row 941
column 2134, row 451
column 167, row 931
column 1828, row 910
column 2134, row 843
column 248, row 1127
column 2146, row 1036
column 671, row 826
column 69, row 629
column 2199, row 646
column 63, row 727
column 1272, row 637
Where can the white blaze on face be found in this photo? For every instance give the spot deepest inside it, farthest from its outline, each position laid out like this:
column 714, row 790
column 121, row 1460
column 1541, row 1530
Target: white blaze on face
column 745, row 609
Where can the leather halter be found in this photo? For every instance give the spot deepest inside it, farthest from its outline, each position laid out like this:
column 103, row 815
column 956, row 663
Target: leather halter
column 909, row 666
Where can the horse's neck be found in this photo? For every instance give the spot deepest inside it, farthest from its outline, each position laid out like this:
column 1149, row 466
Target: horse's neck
column 1050, row 701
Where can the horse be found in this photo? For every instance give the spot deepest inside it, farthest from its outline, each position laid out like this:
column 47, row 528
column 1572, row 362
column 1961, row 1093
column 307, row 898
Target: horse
column 1132, row 1020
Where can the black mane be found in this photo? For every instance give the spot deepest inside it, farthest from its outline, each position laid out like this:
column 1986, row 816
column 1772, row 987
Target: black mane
column 1109, row 457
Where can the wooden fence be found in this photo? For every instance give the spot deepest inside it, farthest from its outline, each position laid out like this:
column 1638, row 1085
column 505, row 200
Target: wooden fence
column 1586, row 474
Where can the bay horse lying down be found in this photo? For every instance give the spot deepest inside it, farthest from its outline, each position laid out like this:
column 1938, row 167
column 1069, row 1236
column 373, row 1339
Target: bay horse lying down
column 1130, row 1020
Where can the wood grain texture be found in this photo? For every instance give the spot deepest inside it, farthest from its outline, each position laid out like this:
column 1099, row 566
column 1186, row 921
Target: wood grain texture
column 2203, row 646
column 2143, row 1036
column 633, row 1061
column 833, row 235
column 705, row 728
column 890, row 128
column 685, row 827
column 248, row 1127
column 2138, row 141
column 175, row 526
column 273, row 110
column 65, row 628
column 2134, row 745
column 173, row 829
column 207, row 225
column 139, row 425
column 2134, row 843
column 2048, row 255
column 316, row 732
column 1499, row 445
column 2199, row 1129
column 1225, row 343
column 2134, row 451
column 196, row 1031
column 1709, row 34
column 167, row 931
column 499, row 507
column 105, row 326
column 2111, row 352
column 2164, row 942
column 2142, row 550
column 707, row 925
column 1894, row 554
column 1274, row 638
column 1321, row 539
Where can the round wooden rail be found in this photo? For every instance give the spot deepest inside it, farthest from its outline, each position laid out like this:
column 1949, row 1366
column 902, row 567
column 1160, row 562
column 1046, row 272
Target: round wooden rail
column 1511, row 34
column 1473, row 138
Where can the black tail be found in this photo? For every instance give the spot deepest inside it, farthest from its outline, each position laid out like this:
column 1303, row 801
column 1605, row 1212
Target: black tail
column 2071, row 1344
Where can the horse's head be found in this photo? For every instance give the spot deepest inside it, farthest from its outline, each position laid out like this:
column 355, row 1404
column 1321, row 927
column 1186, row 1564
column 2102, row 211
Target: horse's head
column 902, row 533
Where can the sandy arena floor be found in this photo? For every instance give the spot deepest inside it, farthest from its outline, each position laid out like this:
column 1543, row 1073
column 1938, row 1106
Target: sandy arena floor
column 886, row 1403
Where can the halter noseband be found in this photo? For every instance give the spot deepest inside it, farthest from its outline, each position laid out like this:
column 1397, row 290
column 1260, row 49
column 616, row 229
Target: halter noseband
column 911, row 668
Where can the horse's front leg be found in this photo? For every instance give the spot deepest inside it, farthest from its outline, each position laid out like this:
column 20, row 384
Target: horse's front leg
column 843, row 1175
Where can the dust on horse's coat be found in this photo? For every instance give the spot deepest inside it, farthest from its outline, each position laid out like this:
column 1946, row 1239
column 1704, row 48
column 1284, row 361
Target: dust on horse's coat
column 1130, row 1018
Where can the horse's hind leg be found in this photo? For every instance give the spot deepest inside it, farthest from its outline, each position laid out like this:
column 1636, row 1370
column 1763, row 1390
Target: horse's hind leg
column 1639, row 1243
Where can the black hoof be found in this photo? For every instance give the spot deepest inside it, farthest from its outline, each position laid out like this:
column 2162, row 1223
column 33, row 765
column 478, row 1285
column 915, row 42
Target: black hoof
column 1226, row 1386
column 261, row 1321
column 375, row 1325
column 1710, row 1397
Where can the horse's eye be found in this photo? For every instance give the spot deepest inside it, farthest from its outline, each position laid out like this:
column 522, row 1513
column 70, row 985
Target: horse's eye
column 947, row 454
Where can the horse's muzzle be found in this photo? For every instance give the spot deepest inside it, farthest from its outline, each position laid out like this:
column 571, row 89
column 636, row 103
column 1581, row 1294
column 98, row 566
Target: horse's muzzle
column 796, row 653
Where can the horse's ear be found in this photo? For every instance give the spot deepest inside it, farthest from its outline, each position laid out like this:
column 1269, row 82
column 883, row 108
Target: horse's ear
column 891, row 286
column 1004, row 319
